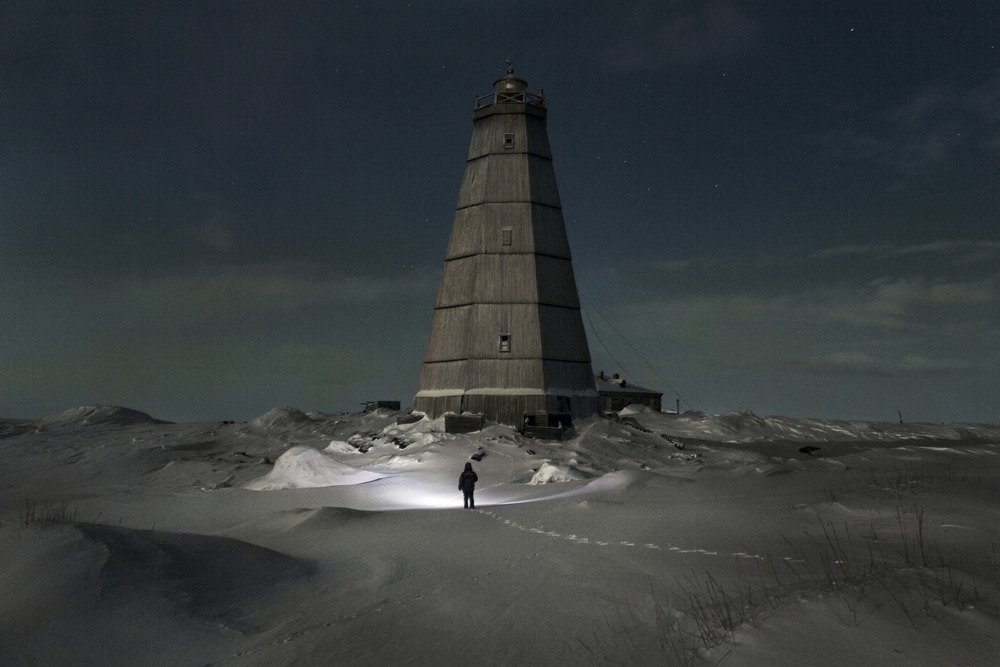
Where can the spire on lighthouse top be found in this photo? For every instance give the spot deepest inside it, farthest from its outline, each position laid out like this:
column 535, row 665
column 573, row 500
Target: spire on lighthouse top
column 510, row 89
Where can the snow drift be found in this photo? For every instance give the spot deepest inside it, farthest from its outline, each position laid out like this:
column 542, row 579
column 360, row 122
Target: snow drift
column 305, row 467
column 549, row 473
column 283, row 417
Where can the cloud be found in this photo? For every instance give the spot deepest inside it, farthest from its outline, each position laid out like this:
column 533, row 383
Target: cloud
column 672, row 266
column 903, row 149
column 217, row 338
column 961, row 250
column 971, row 112
column 213, row 293
column 905, row 304
column 681, row 33
column 860, row 363
column 919, row 294
column 867, row 309
column 215, row 230
column 925, row 130
column 712, row 30
column 939, row 273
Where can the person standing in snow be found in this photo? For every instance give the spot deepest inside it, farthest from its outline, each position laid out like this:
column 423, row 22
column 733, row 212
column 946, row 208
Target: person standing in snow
column 467, row 485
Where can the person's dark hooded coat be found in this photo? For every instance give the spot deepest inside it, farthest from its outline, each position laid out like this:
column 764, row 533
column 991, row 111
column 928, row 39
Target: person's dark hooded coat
column 467, row 480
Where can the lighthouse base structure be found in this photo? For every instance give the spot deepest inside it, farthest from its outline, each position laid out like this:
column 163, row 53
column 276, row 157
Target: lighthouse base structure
column 514, row 407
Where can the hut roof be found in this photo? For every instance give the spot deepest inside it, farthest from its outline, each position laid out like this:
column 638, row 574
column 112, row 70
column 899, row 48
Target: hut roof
column 618, row 385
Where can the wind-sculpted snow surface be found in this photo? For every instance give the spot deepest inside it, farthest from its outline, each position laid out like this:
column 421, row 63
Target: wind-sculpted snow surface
column 284, row 417
column 745, row 426
column 304, row 467
column 549, row 473
column 203, row 575
column 94, row 415
column 641, row 538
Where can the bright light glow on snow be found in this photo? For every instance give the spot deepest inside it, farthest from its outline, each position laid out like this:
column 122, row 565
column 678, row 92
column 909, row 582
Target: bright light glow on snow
column 405, row 492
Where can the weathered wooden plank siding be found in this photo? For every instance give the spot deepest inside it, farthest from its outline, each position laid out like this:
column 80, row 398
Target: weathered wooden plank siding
column 549, row 231
column 516, row 278
column 536, row 330
column 448, row 376
column 483, row 376
column 562, row 335
column 473, row 332
column 556, row 283
column 534, row 228
column 566, row 377
column 489, row 279
column 489, row 375
column 507, row 409
column 447, row 340
column 528, row 132
column 437, row 405
column 543, row 182
column 514, row 177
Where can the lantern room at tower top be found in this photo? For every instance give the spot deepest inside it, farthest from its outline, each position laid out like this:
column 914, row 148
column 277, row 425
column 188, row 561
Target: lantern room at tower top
column 510, row 90
column 507, row 338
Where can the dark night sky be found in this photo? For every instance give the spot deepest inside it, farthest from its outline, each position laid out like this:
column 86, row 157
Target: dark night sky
column 211, row 209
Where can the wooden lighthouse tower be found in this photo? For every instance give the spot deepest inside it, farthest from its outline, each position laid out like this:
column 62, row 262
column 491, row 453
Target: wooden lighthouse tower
column 507, row 339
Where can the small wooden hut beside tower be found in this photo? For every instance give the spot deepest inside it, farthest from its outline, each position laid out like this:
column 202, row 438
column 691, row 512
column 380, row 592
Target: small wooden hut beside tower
column 507, row 338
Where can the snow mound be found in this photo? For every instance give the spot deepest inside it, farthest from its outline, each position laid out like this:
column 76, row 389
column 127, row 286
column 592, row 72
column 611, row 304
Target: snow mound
column 742, row 420
column 634, row 409
column 92, row 415
column 551, row 473
column 304, row 467
column 340, row 447
column 281, row 417
column 424, row 439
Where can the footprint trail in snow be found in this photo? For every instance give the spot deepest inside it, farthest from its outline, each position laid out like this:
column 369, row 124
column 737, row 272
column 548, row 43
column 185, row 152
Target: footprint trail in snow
column 581, row 539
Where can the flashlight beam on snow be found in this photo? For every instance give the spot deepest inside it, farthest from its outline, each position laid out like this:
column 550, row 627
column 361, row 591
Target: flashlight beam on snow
column 378, row 488
column 406, row 493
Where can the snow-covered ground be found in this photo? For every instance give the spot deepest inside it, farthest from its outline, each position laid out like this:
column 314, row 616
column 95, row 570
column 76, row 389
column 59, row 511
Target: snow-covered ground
column 650, row 538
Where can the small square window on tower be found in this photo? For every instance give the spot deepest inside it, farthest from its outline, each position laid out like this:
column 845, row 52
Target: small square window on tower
column 506, row 235
column 508, row 141
column 504, row 343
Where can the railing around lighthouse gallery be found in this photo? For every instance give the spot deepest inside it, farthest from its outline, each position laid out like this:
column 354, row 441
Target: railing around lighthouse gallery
column 517, row 97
